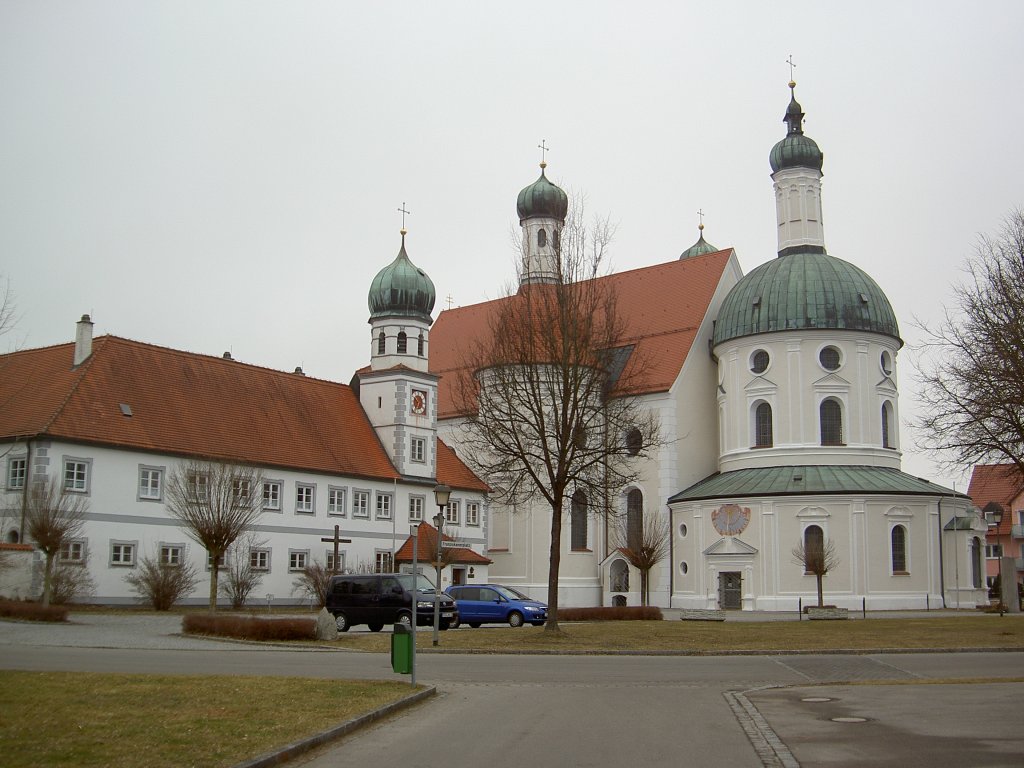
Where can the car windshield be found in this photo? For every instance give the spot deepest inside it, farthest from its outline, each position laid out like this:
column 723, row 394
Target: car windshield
column 423, row 584
column 511, row 594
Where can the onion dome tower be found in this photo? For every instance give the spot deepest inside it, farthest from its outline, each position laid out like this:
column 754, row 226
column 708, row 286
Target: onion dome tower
column 699, row 248
column 542, row 208
column 806, row 335
column 398, row 393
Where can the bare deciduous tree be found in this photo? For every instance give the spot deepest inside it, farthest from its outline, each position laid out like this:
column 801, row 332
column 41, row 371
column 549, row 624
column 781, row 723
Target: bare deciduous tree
column 53, row 517
column 162, row 584
column 240, row 578
column 644, row 545
column 312, row 583
column 554, row 391
column 216, row 502
column 817, row 556
column 971, row 365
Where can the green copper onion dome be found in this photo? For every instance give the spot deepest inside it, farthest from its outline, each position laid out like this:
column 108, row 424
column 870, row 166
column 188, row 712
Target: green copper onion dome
column 699, row 248
column 803, row 291
column 542, row 199
column 796, row 150
column 402, row 289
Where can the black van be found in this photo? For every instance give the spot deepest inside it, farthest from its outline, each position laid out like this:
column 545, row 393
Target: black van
column 376, row 599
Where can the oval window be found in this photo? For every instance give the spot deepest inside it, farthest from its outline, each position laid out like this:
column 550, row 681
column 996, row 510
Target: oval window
column 759, row 361
column 682, row 530
column 829, row 358
column 886, row 363
column 684, row 568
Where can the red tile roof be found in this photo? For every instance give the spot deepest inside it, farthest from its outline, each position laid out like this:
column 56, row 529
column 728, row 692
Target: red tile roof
column 662, row 307
column 189, row 404
column 426, row 548
column 1000, row 483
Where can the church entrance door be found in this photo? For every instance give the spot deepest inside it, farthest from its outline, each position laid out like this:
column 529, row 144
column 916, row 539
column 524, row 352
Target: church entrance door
column 730, row 591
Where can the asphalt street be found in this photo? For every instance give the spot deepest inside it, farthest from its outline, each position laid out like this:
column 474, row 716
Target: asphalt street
column 762, row 710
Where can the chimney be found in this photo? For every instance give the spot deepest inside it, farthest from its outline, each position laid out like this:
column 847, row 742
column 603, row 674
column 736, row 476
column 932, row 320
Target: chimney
column 83, row 340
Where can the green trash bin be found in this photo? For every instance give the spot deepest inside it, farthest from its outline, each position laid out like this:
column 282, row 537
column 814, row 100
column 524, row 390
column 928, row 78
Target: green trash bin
column 401, row 649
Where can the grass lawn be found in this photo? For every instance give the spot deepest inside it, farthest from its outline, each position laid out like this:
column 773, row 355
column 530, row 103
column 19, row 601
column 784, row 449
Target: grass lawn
column 954, row 632
column 153, row 721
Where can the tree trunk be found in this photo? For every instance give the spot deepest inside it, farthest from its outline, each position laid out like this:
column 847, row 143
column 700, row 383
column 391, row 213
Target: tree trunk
column 821, row 597
column 553, row 564
column 213, row 582
column 47, row 578
column 643, row 587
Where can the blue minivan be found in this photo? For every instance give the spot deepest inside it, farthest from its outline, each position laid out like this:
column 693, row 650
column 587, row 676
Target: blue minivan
column 494, row 604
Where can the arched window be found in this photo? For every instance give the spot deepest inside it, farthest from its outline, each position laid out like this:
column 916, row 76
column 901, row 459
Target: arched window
column 634, row 519
column 578, row 522
column 403, row 342
column 899, row 549
column 634, row 441
column 763, row 426
column 619, row 573
column 380, row 343
column 542, row 238
column 831, row 414
column 886, row 424
column 975, row 554
column 814, row 546
column 420, row 345
column 556, row 238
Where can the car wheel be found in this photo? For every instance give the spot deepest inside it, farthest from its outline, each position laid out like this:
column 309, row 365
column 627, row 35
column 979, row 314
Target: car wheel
column 455, row 624
column 475, row 624
column 376, row 627
column 515, row 619
column 341, row 622
column 404, row 619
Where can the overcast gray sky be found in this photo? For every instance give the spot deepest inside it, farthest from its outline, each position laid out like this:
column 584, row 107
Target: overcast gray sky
column 215, row 176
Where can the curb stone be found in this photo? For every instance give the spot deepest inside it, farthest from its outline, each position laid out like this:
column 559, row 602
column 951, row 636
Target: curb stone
column 296, row 748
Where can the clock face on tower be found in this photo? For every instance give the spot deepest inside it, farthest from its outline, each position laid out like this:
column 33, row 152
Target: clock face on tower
column 419, row 402
column 730, row 519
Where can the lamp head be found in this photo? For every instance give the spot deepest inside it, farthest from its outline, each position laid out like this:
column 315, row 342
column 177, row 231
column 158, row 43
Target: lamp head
column 441, row 494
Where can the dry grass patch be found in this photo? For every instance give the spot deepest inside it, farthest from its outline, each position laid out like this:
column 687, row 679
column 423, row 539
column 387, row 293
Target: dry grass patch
column 956, row 632
column 159, row 721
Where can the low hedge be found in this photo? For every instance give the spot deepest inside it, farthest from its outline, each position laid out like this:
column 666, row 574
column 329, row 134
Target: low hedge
column 23, row 609
column 248, row 627
column 611, row 613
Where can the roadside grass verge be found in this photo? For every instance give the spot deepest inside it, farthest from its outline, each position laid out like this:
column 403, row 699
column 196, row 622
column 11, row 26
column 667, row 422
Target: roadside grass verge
column 949, row 633
column 160, row 721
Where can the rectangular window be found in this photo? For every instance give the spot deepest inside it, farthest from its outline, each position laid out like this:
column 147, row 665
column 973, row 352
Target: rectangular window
column 73, row 551
column 993, row 551
column 472, row 513
column 451, row 513
column 417, row 449
column 16, row 471
column 298, row 559
column 122, row 553
column 272, row 495
column 198, row 485
column 76, row 475
column 360, row 503
column 171, row 554
column 382, row 561
column 336, row 501
column 304, row 499
column 383, row 506
column 259, row 559
column 241, row 490
column 330, row 560
column 415, row 509
column 151, row 483
column 221, row 561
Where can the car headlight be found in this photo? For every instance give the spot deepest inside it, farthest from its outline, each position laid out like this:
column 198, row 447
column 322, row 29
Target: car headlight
column 532, row 608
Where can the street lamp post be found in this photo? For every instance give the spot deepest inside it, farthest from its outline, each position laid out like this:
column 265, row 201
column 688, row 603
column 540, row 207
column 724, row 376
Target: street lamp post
column 441, row 495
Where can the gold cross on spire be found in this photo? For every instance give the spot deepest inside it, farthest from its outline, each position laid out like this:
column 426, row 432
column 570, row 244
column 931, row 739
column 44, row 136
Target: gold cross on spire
column 543, row 147
column 792, row 66
column 700, row 216
column 403, row 212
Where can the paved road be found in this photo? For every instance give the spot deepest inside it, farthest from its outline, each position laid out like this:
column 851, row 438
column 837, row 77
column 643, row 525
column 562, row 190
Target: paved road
column 609, row 710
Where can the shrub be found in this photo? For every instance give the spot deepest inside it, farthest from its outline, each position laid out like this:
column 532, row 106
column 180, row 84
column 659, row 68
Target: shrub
column 239, row 577
column 160, row 584
column 248, row 627
column 69, row 581
column 613, row 613
column 312, row 583
column 16, row 609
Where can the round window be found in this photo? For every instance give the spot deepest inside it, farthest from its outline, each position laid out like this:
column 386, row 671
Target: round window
column 684, row 568
column 682, row 530
column 829, row 358
column 886, row 363
column 759, row 361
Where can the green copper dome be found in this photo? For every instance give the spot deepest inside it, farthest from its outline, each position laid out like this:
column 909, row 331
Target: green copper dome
column 542, row 199
column 699, row 248
column 402, row 289
column 796, row 150
column 804, row 291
